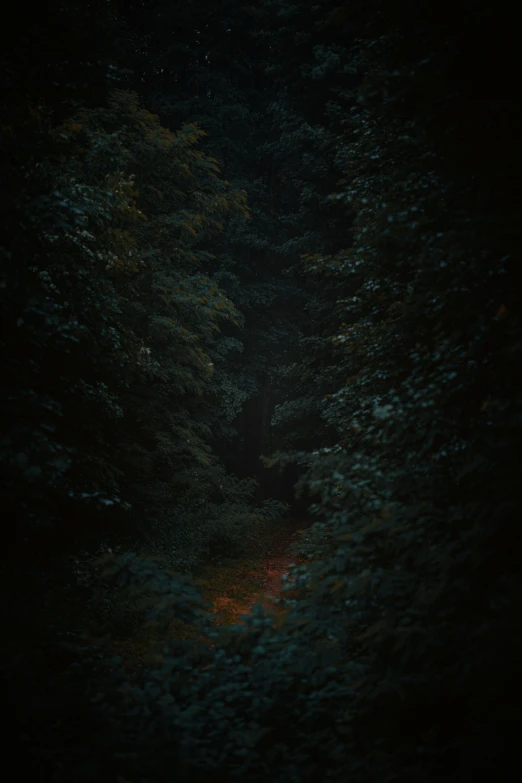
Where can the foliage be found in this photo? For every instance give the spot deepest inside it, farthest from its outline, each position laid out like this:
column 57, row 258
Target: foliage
column 387, row 665
column 211, row 73
column 312, row 73
column 117, row 274
column 397, row 655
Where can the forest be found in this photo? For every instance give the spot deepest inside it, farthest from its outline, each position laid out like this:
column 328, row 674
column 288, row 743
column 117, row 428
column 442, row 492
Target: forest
column 261, row 388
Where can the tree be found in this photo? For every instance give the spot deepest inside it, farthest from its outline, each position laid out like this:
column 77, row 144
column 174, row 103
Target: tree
column 385, row 663
column 211, row 73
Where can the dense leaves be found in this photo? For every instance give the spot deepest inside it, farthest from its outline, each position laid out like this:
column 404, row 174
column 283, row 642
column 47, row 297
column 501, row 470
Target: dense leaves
column 140, row 299
column 211, row 71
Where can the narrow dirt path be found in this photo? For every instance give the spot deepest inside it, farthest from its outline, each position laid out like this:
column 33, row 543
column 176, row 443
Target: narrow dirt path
column 276, row 563
column 233, row 588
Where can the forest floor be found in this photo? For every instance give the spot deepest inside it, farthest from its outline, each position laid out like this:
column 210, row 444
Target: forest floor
column 232, row 586
column 235, row 586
